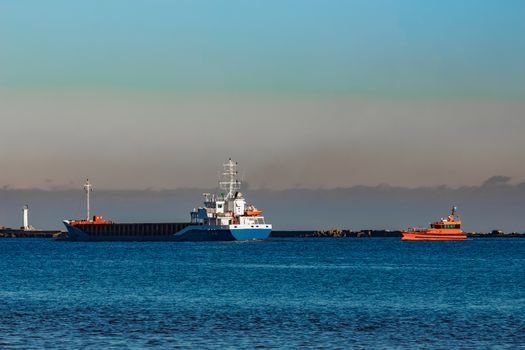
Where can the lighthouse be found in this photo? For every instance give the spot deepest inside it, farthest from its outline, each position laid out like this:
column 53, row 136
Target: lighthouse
column 25, row 216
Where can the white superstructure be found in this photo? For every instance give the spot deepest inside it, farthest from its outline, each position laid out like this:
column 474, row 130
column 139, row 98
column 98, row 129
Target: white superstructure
column 229, row 208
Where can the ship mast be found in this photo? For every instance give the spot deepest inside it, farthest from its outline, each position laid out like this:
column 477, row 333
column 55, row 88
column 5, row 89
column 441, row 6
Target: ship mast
column 230, row 183
column 88, row 187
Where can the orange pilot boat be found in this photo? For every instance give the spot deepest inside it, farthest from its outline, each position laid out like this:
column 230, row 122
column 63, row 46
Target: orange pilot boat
column 444, row 230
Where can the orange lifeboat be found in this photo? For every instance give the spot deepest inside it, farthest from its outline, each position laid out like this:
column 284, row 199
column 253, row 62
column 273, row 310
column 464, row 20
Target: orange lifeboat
column 444, row 230
column 252, row 211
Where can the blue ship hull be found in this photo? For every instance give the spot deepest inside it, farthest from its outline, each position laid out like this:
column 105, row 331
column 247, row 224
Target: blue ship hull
column 163, row 232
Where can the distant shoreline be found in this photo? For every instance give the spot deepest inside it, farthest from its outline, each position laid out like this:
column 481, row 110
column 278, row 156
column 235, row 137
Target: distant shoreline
column 376, row 233
column 334, row 233
column 20, row 233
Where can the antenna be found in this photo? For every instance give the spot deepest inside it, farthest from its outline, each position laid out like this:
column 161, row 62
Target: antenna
column 88, row 187
column 230, row 182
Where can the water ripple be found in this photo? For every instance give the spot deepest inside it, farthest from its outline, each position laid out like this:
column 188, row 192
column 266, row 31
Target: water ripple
column 307, row 293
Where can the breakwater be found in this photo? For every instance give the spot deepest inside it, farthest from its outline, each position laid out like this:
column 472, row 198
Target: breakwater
column 335, row 233
column 16, row 233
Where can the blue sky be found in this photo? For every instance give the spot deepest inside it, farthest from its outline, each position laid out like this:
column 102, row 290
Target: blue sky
column 384, row 48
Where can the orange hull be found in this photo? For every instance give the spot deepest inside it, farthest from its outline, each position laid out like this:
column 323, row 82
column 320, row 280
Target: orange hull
column 427, row 236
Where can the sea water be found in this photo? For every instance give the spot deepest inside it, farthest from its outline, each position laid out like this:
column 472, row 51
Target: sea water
column 281, row 293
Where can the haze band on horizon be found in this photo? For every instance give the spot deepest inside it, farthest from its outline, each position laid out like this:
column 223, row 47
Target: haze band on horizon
column 305, row 94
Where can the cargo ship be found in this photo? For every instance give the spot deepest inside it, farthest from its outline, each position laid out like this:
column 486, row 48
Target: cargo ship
column 223, row 217
column 443, row 230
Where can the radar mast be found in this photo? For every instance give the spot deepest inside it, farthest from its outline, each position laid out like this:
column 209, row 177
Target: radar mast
column 230, row 183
